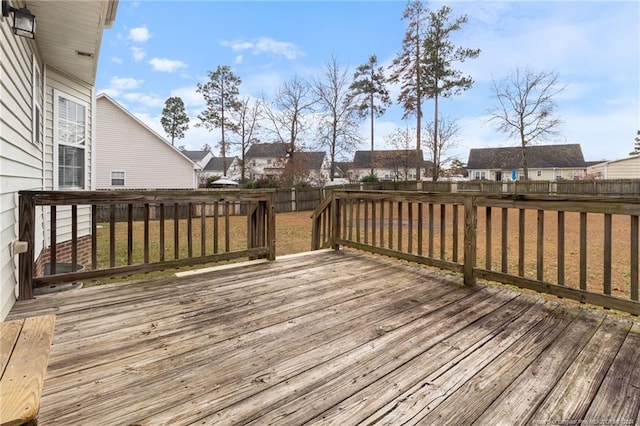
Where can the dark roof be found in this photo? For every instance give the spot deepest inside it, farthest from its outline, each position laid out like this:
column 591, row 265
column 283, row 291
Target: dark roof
column 267, row 150
column 388, row 158
column 195, row 155
column 538, row 156
column 310, row 160
column 215, row 164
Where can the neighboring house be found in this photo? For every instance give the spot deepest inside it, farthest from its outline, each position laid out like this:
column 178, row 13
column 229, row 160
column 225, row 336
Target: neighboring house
column 265, row 160
column 201, row 158
column 129, row 155
column 47, row 119
column 315, row 165
column 215, row 167
column 545, row 162
column 626, row 168
column 389, row 165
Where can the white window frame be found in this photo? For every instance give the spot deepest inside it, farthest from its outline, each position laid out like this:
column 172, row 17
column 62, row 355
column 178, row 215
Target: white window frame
column 538, row 173
column 57, row 94
column 37, row 100
column 124, row 178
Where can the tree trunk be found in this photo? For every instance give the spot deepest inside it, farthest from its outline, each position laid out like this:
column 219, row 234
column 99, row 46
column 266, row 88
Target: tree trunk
column 525, row 166
column 436, row 153
column 372, row 113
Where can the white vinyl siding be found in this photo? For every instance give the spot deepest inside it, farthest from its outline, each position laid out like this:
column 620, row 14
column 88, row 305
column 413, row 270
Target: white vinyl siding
column 125, row 144
column 20, row 158
column 37, row 100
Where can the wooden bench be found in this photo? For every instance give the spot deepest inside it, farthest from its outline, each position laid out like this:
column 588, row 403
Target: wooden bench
column 24, row 354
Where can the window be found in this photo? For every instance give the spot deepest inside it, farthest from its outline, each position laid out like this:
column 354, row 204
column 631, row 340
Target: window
column 480, row 175
column 269, row 161
column 37, row 99
column 117, row 178
column 539, row 173
column 70, row 135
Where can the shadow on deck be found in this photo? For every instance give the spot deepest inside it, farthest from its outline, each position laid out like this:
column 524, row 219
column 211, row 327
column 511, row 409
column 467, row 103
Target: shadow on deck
column 342, row 338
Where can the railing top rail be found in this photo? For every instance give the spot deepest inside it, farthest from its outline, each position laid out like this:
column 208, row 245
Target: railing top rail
column 144, row 197
column 575, row 203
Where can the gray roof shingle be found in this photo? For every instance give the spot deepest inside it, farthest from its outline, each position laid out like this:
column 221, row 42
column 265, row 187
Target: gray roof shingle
column 538, row 156
column 388, row 158
column 195, row 155
column 267, row 150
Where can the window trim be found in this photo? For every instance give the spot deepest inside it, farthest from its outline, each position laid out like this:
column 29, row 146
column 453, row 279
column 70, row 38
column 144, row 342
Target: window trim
column 37, row 101
column 124, row 178
column 57, row 94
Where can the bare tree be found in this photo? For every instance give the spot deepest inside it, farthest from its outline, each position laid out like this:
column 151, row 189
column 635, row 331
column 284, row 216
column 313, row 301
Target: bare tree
column 287, row 110
column 247, row 116
column 369, row 86
column 407, row 67
column 403, row 158
column 438, row 145
column 338, row 126
column 441, row 79
column 221, row 96
column 526, row 107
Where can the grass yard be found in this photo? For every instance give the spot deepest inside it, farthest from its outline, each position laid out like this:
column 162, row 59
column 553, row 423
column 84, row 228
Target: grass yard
column 293, row 235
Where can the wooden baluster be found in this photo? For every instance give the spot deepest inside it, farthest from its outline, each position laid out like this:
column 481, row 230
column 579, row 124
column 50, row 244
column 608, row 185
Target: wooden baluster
column 488, row 236
column 583, row 251
column 635, row 255
column 540, row 247
column 443, row 230
column 129, row 234
column 607, row 255
column 176, row 231
column 161, row 232
column 112, row 235
column 521, row 242
column 505, row 240
column 560, row 253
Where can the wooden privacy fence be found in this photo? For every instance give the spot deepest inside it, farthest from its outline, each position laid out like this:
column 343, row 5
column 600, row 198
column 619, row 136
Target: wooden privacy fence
column 572, row 247
column 211, row 231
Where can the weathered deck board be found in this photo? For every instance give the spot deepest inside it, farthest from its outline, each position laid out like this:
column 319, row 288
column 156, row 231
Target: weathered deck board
column 330, row 338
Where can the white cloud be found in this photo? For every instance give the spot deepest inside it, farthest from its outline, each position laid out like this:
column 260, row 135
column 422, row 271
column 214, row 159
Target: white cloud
column 139, row 34
column 138, row 53
column 166, row 65
column 266, row 45
column 238, row 59
column 189, row 96
column 111, row 92
column 149, row 101
column 124, row 83
column 116, row 60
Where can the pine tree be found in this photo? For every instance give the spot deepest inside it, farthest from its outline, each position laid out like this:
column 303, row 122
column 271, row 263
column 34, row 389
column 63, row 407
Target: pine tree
column 174, row 118
column 221, row 96
column 407, row 66
column 369, row 85
column 636, row 147
column 441, row 79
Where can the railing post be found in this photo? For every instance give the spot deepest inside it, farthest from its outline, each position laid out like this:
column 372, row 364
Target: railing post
column 470, row 230
column 27, row 223
column 335, row 228
column 271, row 225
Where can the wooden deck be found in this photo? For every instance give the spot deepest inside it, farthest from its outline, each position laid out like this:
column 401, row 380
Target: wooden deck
column 331, row 338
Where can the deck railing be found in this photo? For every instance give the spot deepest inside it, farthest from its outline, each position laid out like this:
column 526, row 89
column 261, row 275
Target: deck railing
column 228, row 224
column 581, row 248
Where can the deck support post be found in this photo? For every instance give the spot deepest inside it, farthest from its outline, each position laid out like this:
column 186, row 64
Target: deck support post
column 27, row 223
column 470, row 229
column 335, row 220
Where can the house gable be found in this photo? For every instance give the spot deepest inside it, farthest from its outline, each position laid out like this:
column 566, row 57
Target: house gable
column 122, row 141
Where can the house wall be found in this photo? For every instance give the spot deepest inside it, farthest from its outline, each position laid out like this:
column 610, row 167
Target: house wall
column 123, row 144
column 256, row 166
column 627, row 168
column 545, row 174
column 20, row 158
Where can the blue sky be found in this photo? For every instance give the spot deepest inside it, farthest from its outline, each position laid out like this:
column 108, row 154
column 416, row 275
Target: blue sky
column 158, row 49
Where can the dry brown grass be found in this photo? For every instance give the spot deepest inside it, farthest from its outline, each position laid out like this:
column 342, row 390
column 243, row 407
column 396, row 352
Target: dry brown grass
column 293, row 235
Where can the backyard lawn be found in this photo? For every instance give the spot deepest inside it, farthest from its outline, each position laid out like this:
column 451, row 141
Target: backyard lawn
column 293, row 235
